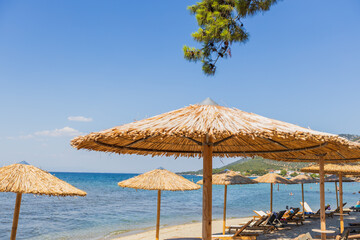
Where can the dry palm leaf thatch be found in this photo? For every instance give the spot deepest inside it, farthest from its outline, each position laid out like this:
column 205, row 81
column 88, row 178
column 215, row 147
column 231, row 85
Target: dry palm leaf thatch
column 229, row 178
column 231, row 132
column 303, row 179
column 273, row 178
column 330, row 168
column 335, row 178
column 159, row 179
column 21, row 178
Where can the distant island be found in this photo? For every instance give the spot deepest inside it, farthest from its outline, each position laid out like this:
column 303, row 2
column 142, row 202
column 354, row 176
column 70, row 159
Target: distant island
column 259, row 166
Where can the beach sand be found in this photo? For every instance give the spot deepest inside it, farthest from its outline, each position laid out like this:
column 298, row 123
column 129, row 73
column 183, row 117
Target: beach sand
column 192, row 231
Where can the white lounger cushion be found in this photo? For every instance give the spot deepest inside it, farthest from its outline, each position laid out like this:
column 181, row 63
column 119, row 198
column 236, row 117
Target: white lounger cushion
column 260, row 213
column 306, row 207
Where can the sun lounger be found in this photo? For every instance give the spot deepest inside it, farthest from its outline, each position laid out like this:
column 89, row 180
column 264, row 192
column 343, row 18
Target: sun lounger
column 354, row 209
column 291, row 217
column 345, row 211
column 277, row 222
column 259, row 214
column 307, row 208
column 255, row 224
column 239, row 234
column 264, row 224
column 317, row 214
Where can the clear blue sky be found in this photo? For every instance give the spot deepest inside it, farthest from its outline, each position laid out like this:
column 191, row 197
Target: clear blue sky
column 117, row 61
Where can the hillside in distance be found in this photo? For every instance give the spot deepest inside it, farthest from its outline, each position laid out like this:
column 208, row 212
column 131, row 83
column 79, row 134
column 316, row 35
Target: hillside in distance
column 257, row 165
column 351, row 137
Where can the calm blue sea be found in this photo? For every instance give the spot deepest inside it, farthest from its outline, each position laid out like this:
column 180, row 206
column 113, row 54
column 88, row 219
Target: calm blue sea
column 109, row 210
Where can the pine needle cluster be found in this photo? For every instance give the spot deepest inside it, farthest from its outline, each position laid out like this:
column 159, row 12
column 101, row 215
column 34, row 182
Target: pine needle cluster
column 220, row 26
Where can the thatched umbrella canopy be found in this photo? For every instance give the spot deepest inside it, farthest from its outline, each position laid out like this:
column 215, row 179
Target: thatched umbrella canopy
column 334, row 178
column 229, row 177
column 22, row 178
column 339, row 170
column 160, row 180
column 301, row 179
column 272, row 178
column 226, row 178
column 207, row 129
column 331, row 168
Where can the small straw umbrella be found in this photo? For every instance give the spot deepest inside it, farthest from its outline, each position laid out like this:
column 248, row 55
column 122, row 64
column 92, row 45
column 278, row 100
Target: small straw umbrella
column 226, row 178
column 22, row 178
column 208, row 130
column 339, row 170
column 160, row 180
column 272, row 178
column 303, row 179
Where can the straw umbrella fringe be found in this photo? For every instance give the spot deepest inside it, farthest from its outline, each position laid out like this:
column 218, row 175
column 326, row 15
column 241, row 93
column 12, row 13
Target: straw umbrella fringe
column 207, row 129
column 226, row 178
column 272, row 178
column 160, row 180
column 301, row 179
column 21, row 178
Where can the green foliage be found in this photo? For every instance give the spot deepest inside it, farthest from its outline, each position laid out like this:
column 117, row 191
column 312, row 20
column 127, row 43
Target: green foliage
column 283, row 173
column 314, row 175
column 220, row 26
column 294, row 174
column 257, row 166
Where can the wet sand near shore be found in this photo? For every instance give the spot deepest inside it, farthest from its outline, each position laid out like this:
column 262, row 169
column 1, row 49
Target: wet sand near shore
column 192, row 231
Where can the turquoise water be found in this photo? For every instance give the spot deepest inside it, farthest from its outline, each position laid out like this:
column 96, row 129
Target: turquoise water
column 109, row 210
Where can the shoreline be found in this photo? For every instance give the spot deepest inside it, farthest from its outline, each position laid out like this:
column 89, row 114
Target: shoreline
column 192, row 231
column 188, row 230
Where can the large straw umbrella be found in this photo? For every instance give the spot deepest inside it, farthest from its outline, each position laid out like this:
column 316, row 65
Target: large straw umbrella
column 160, row 180
column 339, row 170
column 272, row 178
column 22, row 178
column 301, row 179
column 226, row 178
column 207, row 129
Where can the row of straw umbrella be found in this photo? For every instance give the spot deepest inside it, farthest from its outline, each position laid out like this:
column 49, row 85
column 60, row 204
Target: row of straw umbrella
column 24, row 178
column 228, row 177
column 208, row 130
column 340, row 170
column 21, row 178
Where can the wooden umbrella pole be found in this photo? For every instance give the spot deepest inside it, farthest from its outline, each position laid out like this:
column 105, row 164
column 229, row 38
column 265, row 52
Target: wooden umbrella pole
column 158, row 215
column 341, row 203
column 322, row 198
column 224, row 219
column 271, row 197
column 207, row 189
column 303, row 205
column 337, row 198
column 16, row 216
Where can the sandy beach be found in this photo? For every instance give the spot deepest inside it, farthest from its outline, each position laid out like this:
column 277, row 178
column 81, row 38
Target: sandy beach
column 192, row 231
